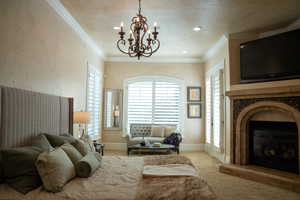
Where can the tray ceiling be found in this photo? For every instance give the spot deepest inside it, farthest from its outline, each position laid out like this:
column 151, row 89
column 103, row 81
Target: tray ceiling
column 177, row 18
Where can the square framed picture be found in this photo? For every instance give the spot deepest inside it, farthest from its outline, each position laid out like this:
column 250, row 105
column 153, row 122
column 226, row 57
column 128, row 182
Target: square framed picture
column 194, row 110
column 193, row 94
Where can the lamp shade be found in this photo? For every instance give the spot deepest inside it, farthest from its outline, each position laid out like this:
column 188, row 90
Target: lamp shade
column 81, row 117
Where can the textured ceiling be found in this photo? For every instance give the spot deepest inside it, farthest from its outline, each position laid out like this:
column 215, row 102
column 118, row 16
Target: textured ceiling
column 177, row 18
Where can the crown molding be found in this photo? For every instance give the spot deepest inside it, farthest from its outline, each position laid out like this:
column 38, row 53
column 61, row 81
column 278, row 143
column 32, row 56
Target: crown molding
column 293, row 26
column 71, row 21
column 154, row 59
column 215, row 48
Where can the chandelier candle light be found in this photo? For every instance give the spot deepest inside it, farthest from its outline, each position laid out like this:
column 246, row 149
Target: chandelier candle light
column 138, row 44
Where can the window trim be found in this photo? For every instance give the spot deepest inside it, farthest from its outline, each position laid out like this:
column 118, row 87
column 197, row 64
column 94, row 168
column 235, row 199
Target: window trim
column 156, row 78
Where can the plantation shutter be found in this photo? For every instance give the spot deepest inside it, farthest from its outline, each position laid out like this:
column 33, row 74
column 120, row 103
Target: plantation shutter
column 93, row 101
column 217, row 107
column 154, row 102
column 108, row 112
column 140, row 101
column 166, row 103
column 208, row 109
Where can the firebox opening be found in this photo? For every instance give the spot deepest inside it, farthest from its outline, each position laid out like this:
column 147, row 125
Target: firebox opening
column 274, row 145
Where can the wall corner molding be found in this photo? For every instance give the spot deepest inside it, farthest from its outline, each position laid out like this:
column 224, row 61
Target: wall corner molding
column 71, row 21
column 215, row 48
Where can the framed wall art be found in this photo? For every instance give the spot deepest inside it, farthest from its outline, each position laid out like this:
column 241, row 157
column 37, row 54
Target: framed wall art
column 193, row 94
column 194, row 110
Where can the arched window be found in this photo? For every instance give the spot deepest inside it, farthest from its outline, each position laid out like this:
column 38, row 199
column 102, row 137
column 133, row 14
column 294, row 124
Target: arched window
column 153, row 100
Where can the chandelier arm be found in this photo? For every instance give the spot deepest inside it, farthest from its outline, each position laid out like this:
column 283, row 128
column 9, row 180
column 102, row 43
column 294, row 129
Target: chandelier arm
column 145, row 28
column 148, row 54
column 147, row 51
column 132, row 29
column 131, row 51
column 158, row 45
column 118, row 45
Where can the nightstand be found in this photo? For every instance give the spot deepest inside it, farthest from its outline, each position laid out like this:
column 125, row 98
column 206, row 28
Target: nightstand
column 99, row 148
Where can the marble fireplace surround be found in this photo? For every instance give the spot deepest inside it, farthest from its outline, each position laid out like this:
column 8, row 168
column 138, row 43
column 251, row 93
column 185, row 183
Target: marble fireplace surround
column 244, row 105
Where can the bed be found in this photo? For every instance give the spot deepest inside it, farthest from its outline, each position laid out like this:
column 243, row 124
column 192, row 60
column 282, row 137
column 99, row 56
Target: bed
column 24, row 114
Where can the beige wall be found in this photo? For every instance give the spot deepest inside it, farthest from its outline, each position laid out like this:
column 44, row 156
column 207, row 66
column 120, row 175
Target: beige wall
column 40, row 52
column 191, row 74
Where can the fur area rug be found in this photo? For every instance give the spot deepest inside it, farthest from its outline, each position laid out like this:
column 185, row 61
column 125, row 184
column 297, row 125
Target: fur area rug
column 173, row 188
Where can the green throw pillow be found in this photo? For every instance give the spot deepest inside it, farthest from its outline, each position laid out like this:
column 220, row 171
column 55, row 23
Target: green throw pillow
column 42, row 142
column 88, row 165
column 72, row 152
column 57, row 141
column 19, row 169
column 83, row 147
column 55, row 169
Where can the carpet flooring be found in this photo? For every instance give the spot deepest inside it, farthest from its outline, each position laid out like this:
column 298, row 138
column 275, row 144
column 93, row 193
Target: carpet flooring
column 229, row 187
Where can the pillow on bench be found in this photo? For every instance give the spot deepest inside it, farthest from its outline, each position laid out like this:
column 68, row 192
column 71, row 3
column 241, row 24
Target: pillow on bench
column 157, row 131
column 169, row 130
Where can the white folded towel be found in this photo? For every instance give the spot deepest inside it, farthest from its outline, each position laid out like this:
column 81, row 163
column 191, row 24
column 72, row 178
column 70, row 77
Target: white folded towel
column 169, row 170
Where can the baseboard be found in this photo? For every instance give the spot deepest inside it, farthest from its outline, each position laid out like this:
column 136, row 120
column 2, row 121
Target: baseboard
column 218, row 155
column 191, row 147
column 183, row 147
column 116, row 146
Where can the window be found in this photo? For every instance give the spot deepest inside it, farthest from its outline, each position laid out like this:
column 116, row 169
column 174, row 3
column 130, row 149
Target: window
column 153, row 100
column 214, row 108
column 93, row 101
column 208, row 110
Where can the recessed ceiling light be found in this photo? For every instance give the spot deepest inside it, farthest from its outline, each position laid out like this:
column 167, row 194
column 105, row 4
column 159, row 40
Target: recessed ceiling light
column 197, row 28
column 184, row 52
column 117, row 28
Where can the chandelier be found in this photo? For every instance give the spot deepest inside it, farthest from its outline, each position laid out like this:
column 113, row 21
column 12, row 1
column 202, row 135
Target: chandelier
column 141, row 41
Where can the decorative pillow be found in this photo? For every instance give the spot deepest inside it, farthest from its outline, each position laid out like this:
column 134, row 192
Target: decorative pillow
column 82, row 147
column 57, row 141
column 157, row 131
column 19, row 169
column 88, row 165
column 42, row 142
column 169, row 130
column 55, row 169
column 72, row 152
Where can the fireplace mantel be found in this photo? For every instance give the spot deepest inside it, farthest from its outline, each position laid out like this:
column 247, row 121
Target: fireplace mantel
column 264, row 92
column 245, row 103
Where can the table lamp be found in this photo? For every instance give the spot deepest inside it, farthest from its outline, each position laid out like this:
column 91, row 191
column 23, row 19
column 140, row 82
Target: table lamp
column 81, row 118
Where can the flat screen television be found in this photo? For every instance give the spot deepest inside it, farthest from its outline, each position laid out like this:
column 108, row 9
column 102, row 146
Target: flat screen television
column 272, row 58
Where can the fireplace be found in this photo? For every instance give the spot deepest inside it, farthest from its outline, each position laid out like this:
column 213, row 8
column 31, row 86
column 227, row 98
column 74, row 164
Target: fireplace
column 274, row 145
column 265, row 136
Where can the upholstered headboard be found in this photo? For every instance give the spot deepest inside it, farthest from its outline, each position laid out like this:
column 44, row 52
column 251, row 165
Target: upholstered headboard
column 24, row 114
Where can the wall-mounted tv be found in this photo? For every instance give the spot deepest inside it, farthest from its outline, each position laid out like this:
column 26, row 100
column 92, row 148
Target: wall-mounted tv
column 272, row 58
